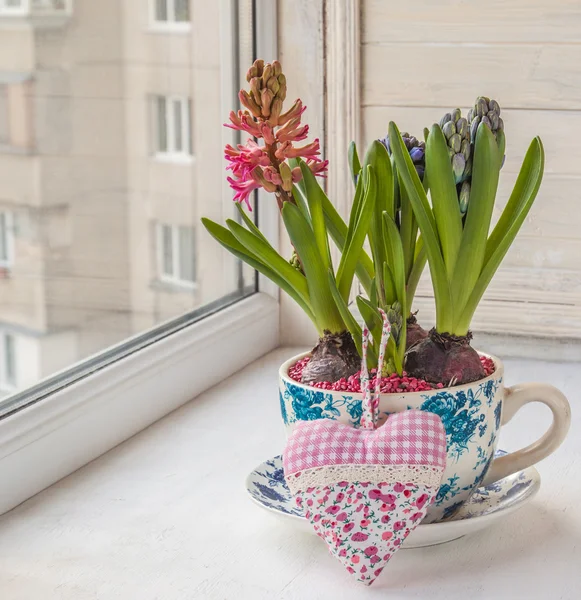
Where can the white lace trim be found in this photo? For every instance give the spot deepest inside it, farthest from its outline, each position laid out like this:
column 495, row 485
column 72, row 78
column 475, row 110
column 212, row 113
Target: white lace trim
column 375, row 474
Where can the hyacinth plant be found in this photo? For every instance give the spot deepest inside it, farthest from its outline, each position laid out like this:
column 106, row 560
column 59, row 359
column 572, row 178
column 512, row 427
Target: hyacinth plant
column 271, row 159
column 398, row 254
column 462, row 255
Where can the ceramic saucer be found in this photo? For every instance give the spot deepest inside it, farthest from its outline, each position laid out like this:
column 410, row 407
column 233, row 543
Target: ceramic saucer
column 267, row 487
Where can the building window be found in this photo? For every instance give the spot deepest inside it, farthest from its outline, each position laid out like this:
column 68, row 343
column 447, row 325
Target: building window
column 172, row 126
column 171, row 12
column 176, row 254
column 6, row 239
column 4, row 116
column 7, row 362
column 13, row 7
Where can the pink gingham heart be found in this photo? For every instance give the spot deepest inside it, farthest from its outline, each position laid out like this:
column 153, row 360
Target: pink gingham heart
column 365, row 490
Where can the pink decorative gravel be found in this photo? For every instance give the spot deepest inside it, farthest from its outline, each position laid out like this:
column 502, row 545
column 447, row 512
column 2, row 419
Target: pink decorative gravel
column 389, row 385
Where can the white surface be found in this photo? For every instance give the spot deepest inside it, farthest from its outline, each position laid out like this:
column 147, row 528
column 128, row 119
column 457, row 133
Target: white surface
column 165, row 517
column 77, row 423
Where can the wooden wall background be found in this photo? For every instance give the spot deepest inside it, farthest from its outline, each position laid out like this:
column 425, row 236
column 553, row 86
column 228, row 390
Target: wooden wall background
column 420, row 59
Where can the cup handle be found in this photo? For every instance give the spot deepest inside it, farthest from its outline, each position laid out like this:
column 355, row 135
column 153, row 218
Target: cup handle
column 515, row 398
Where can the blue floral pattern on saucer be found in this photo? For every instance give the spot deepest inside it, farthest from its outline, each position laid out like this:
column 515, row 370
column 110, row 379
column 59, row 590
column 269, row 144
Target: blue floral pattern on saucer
column 266, row 486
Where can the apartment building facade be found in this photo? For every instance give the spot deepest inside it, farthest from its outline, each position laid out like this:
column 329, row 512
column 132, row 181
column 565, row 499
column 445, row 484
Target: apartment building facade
column 110, row 151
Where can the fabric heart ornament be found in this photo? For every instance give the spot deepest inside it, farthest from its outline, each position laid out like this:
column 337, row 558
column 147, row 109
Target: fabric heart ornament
column 365, row 490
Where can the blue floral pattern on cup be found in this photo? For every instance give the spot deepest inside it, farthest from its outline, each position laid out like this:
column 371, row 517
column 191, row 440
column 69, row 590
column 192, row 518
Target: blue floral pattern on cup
column 471, row 414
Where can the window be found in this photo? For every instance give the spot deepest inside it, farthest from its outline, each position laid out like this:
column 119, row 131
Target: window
column 86, row 254
column 176, row 254
column 35, row 7
column 13, row 7
column 6, row 240
column 172, row 126
column 4, row 116
column 105, row 346
column 57, row 6
column 171, row 12
column 7, row 362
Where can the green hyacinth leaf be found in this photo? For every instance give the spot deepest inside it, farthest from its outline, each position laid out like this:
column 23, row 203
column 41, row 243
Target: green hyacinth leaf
column 420, row 259
column 301, row 201
column 378, row 157
column 269, row 256
column 444, row 197
column 250, row 224
column 354, row 164
column 293, row 163
column 486, row 169
column 338, row 231
column 394, row 254
column 372, row 319
column 355, row 210
column 322, row 301
column 523, row 195
column 389, row 287
column 373, row 296
column 356, row 238
column 427, row 225
column 297, row 291
column 352, row 325
column 314, row 195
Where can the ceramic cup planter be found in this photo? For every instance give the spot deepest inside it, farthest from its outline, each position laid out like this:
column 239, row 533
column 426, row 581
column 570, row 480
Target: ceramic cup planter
column 472, row 415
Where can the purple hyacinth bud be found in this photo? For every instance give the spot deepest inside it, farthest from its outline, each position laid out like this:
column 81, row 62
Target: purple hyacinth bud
column 416, row 149
column 416, row 154
column 385, row 142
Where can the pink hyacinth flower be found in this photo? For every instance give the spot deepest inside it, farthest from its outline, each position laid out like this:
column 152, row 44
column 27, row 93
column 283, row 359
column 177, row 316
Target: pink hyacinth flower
column 243, row 189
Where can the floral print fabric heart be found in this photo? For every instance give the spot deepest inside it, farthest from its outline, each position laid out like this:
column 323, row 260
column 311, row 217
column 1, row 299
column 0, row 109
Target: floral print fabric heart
column 364, row 524
column 364, row 490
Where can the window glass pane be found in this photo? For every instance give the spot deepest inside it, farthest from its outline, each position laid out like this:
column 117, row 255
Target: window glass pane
column 9, row 360
column 106, row 236
column 167, row 250
column 178, row 126
column 182, row 10
column 3, row 238
column 4, row 119
column 161, row 117
column 188, row 129
column 187, row 257
column 161, row 10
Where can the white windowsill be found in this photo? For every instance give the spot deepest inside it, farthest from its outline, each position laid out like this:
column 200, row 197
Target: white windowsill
column 17, row 21
column 178, row 159
column 169, row 27
column 44, row 442
column 174, row 285
column 166, row 515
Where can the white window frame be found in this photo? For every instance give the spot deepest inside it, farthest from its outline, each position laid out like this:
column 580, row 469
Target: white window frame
column 30, row 7
column 171, row 153
column 8, row 383
column 85, row 417
column 7, row 262
column 173, row 278
column 170, row 25
column 15, row 11
column 47, row 7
